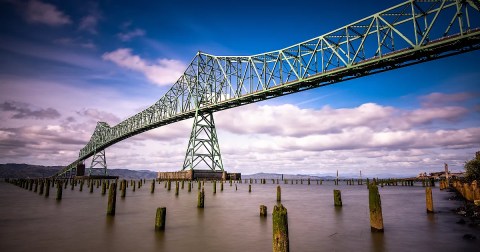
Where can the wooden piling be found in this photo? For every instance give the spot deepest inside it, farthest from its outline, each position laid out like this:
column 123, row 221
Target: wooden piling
column 249, row 188
column 199, row 185
column 176, row 188
column 221, row 186
column 169, row 185
column 429, row 199
column 123, row 188
column 375, row 205
column 152, row 187
column 214, row 187
column 201, row 199
column 36, row 186
column 279, row 194
column 59, row 190
column 104, row 188
column 47, row 188
column 91, row 187
column 189, row 186
column 81, row 186
column 134, row 185
column 42, row 185
column 263, row 211
column 160, row 218
column 280, row 241
column 112, row 199
column 337, row 198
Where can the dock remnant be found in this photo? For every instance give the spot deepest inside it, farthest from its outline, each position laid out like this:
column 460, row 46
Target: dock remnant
column 160, row 218
column 280, row 229
column 263, row 211
column 429, row 199
column 375, row 205
column 337, row 198
column 112, row 199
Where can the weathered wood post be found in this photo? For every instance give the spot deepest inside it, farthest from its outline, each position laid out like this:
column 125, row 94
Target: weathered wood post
column 221, row 186
column 429, row 199
column 81, row 186
column 375, row 205
column 169, row 185
column 112, row 199
column 65, row 183
column 280, row 229
column 36, row 186
column 183, row 184
column 59, row 190
column 176, row 188
column 152, row 188
column 250, row 188
column 235, row 187
column 199, row 185
column 189, row 186
column 47, row 188
column 160, row 218
column 263, row 211
column 201, row 199
column 42, row 185
column 91, row 187
column 337, row 197
column 134, row 185
column 214, row 187
column 104, row 188
column 279, row 194
column 123, row 188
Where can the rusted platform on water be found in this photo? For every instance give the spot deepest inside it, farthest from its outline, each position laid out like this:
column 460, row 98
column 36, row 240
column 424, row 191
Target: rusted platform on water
column 198, row 175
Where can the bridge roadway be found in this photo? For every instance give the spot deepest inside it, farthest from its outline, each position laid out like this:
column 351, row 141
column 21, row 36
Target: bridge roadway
column 409, row 33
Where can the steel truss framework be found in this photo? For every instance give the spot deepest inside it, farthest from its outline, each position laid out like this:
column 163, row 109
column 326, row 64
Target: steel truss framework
column 409, row 33
column 203, row 148
column 99, row 164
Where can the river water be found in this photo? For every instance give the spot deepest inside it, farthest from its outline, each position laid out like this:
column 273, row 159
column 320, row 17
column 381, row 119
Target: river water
column 230, row 220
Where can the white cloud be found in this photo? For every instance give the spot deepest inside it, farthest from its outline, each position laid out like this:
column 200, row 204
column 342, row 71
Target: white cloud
column 45, row 13
column 161, row 72
column 89, row 24
column 290, row 120
column 127, row 36
column 440, row 99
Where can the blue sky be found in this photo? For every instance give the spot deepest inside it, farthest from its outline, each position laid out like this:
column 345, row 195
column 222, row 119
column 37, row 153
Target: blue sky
column 64, row 65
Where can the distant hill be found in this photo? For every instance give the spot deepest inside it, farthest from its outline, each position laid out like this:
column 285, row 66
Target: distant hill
column 39, row 171
column 285, row 176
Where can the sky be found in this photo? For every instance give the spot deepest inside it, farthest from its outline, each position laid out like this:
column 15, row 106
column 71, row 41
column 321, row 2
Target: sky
column 65, row 65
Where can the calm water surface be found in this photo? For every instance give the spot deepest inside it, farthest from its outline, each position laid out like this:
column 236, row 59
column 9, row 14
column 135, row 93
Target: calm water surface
column 230, row 220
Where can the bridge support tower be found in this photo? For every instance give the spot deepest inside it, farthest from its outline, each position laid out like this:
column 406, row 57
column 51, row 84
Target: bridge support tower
column 203, row 149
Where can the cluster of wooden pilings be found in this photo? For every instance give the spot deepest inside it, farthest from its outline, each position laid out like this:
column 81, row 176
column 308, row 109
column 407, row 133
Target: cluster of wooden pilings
column 469, row 191
column 280, row 219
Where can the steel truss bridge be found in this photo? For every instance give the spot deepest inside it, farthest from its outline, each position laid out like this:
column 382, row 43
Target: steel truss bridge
column 409, row 33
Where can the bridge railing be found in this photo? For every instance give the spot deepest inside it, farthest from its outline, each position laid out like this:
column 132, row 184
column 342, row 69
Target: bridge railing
column 407, row 33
